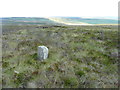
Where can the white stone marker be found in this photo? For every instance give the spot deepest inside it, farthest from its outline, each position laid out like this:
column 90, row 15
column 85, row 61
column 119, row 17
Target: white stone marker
column 42, row 52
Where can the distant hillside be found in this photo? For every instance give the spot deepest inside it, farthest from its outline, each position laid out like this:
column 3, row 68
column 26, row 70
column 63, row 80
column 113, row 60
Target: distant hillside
column 27, row 21
column 56, row 21
column 83, row 21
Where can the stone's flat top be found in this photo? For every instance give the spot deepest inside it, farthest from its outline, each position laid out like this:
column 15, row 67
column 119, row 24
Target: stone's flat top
column 42, row 46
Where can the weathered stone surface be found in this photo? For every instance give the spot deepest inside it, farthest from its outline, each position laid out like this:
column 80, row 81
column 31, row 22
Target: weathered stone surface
column 42, row 52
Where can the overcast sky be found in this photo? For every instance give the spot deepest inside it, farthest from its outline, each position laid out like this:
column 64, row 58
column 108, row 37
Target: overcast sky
column 40, row 8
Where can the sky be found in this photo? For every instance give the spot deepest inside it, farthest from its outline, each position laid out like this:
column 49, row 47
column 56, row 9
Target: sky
column 45, row 8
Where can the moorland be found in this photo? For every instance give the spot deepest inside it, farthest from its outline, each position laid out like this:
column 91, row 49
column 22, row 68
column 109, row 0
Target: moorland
column 79, row 56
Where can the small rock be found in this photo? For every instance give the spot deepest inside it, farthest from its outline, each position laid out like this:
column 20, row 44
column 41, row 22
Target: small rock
column 16, row 72
column 42, row 52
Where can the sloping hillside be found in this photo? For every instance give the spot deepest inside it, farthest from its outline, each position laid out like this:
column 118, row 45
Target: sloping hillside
column 82, row 21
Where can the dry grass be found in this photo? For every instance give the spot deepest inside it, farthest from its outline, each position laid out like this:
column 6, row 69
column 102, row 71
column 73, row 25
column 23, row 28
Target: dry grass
column 79, row 56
